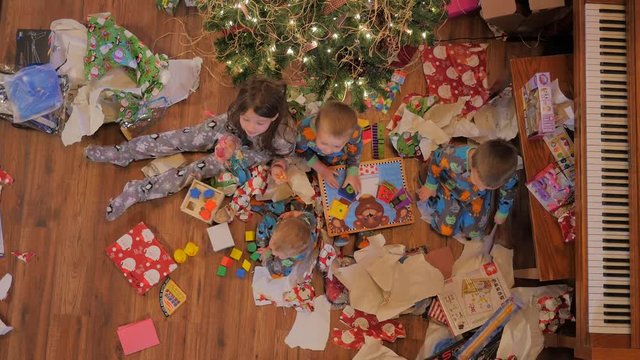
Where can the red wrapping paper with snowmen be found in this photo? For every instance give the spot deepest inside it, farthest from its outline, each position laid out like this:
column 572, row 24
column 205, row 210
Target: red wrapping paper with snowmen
column 457, row 70
column 363, row 324
column 141, row 258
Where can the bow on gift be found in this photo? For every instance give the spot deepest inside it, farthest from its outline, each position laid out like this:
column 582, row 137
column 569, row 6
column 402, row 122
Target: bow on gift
column 5, row 179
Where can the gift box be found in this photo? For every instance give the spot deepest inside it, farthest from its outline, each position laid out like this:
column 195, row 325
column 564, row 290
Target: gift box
column 539, row 115
column 462, row 7
column 141, row 258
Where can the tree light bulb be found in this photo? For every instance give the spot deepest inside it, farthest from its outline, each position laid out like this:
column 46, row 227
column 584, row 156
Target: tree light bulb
column 289, row 51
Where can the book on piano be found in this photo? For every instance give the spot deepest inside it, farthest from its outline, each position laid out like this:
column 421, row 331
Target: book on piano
column 470, row 299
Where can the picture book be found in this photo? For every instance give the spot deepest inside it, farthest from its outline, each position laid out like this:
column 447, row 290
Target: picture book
column 384, row 199
column 470, row 299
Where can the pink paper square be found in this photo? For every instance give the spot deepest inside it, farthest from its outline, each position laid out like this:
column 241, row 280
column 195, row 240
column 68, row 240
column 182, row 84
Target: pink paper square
column 138, row 336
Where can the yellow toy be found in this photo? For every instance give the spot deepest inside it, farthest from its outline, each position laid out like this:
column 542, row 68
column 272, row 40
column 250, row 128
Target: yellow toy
column 236, row 254
column 179, row 256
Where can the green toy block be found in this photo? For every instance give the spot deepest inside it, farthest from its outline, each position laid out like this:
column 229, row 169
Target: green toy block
column 222, row 271
column 252, row 247
column 255, row 256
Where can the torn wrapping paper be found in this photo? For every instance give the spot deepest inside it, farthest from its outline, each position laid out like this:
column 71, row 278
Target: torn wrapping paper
column 497, row 119
column 266, row 290
column 25, row 256
column 472, row 258
column 441, row 259
column 378, row 284
column 563, row 107
column 311, row 329
column 327, row 254
column 361, row 326
column 521, row 336
column 336, row 292
column 301, row 297
column 436, row 339
column 374, row 350
column 436, row 313
column 297, row 184
column 554, row 311
column 4, row 328
column 453, row 71
column 183, row 81
column 5, row 285
column 68, row 48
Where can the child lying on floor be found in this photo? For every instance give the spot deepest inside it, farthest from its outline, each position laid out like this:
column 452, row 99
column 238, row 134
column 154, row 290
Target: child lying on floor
column 258, row 117
column 292, row 242
column 460, row 183
column 331, row 137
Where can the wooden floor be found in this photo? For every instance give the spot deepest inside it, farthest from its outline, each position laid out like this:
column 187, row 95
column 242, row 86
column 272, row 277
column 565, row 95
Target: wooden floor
column 68, row 301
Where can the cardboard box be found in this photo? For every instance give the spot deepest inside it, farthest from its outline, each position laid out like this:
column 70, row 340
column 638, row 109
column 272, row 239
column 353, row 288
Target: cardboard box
column 537, row 97
column 518, row 17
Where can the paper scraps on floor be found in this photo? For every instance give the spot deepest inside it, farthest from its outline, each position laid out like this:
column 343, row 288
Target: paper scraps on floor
column 374, row 350
column 381, row 285
column 311, row 329
column 138, row 336
column 5, row 285
column 362, row 326
column 4, row 328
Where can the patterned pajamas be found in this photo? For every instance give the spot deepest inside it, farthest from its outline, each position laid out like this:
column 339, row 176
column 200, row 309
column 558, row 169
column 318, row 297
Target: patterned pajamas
column 201, row 137
column 458, row 206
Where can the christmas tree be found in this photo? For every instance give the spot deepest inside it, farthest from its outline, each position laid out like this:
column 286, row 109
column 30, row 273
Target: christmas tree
column 335, row 46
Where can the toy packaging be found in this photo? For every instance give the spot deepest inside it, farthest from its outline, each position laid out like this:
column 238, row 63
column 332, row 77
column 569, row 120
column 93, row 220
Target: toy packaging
column 552, row 188
column 470, row 299
column 538, row 106
column 171, row 297
column 141, row 258
column 561, row 147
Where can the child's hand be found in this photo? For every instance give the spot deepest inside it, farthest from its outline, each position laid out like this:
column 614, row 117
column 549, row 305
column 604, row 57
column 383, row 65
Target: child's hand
column 354, row 180
column 425, row 193
column 279, row 174
column 499, row 219
column 328, row 174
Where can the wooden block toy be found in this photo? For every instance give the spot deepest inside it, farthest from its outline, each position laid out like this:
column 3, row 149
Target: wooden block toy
column 255, row 256
column 222, row 271
column 220, row 237
column 179, row 256
column 236, row 254
column 252, row 247
column 246, row 265
column 347, row 193
column 210, row 204
column 241, row 273
column 401, row 199
column 338, row 209
column 226, row 262
column 386, row 192
column 191, row 249
column 202, row 201
column 250, row 235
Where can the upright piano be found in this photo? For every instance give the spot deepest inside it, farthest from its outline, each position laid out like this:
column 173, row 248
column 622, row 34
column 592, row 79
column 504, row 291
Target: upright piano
column 606, row 79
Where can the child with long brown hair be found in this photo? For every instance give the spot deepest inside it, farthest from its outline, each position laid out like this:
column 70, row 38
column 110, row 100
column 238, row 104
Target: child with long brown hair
column 259, row 117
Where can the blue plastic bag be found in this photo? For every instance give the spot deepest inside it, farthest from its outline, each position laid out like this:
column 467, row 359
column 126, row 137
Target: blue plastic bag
column 34, row 91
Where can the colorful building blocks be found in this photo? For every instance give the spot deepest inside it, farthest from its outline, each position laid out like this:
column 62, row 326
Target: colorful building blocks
column 191, row 249
column 255, row 256
column 222, row 271
column 226, row 262
column 241, row 273
column 386, row 192
column 246, row 265
column 179, row 256
column 252, row 247
column 401, row 199
column 250, row 235
column 236, row 254
column 347, row 193
column 220, row 237
column 202, row 201
column 338, row 209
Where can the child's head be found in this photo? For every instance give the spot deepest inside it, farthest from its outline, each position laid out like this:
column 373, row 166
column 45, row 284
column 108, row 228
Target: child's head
column 259, row 109
column 290, row 237
column 493, row 163
column 335, row 124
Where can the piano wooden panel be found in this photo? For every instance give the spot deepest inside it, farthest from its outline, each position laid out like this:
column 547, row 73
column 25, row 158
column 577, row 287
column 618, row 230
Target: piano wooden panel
column 554, row 258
